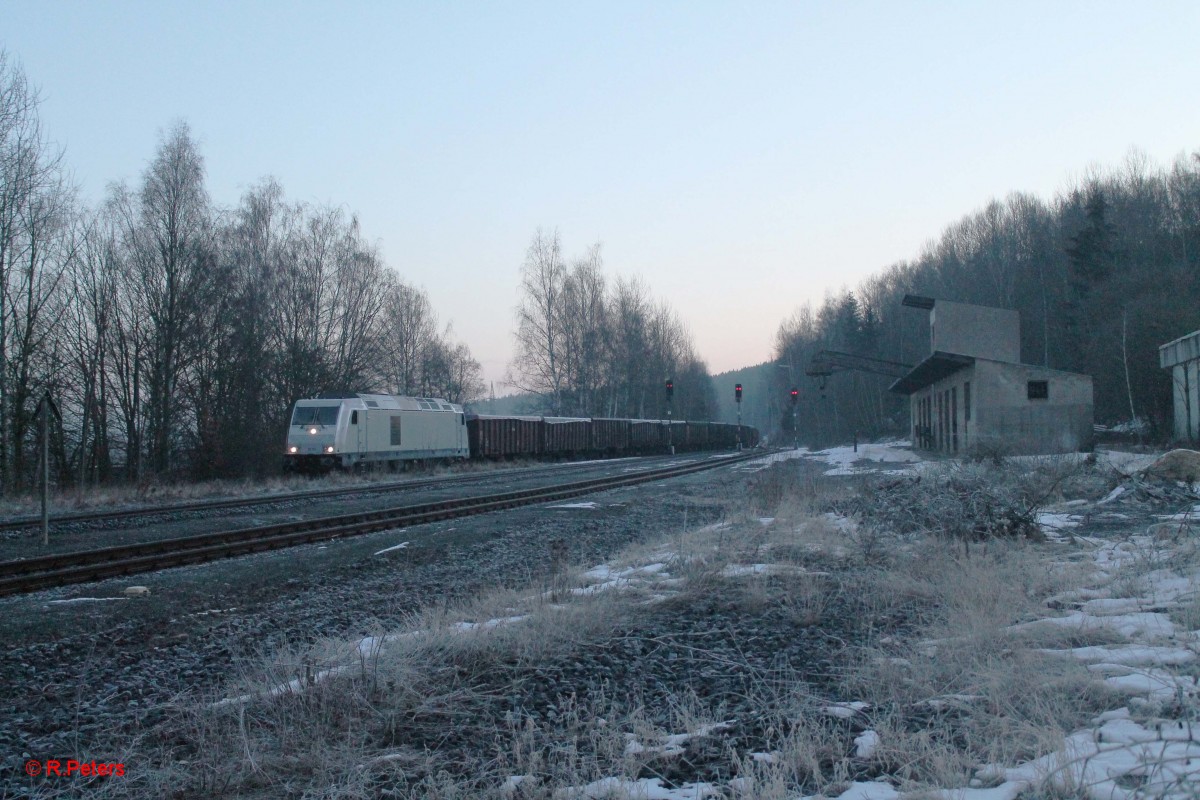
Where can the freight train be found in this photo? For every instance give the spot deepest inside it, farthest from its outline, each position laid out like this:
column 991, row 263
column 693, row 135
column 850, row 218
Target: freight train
column 377, row 429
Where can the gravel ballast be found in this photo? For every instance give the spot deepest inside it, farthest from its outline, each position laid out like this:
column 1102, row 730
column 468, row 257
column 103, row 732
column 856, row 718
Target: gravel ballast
column 86, row 667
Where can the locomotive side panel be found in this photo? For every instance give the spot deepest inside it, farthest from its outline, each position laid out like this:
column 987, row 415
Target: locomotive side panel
column 389, row 434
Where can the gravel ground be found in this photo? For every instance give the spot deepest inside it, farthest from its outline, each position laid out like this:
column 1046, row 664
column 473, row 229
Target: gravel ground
column 84, row 675
column 81, row 675
column 68, row 537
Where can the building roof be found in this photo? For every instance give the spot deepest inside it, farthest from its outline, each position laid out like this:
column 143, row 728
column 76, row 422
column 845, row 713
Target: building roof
column 931, row 370
column 1185, row 348
column 942, row 365
column 918, row 301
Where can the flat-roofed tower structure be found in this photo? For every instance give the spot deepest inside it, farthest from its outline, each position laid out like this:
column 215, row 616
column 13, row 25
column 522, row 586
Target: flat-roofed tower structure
column 972, row 390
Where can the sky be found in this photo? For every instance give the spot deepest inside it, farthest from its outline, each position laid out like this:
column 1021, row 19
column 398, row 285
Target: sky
column 740, row 158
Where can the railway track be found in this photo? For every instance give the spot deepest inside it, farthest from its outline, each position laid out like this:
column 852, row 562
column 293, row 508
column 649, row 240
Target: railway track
column 202, row 506
column 33, row 574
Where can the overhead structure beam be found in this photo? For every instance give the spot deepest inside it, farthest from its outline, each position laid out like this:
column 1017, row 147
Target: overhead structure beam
column 827, row 362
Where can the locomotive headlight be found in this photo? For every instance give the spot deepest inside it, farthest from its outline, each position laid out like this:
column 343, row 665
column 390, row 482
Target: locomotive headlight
column 293, row 449
column 329, row 449
column 313, row 431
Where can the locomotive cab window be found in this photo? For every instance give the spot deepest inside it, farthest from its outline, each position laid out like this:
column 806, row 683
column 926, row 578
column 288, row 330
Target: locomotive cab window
column 315, row 415
column 395, row 430
column 1038, row 390
column 354, row 417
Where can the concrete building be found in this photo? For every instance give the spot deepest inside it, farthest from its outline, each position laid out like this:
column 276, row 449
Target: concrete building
column 972, row 391
column 1182, row 357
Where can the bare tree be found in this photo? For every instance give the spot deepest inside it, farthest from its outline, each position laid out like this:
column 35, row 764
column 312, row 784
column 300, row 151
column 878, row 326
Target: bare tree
column 465, row 375
column 538, row 364
column 584, row 323
column 410, row 332
column 88, row 315
column 629, row 347
column 36, row 243
column 168, row 228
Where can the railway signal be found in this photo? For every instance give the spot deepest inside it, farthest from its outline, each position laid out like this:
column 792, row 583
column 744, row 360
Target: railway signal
column 737, row 396
column 45, row 408
column 670, row 394
column 795, row 433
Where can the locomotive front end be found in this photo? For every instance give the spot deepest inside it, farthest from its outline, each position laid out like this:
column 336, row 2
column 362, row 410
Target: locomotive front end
column 312, row 439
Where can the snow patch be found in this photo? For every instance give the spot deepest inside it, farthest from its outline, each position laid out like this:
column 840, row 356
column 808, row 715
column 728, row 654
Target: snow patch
column 83, row 600
column 400, row 546
column 865, row 744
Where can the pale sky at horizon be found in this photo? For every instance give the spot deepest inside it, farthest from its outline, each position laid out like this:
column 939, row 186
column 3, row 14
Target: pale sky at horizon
column 741, row 158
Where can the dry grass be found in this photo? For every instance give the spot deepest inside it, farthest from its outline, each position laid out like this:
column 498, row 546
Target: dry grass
column 152, row 492
column 948, row 685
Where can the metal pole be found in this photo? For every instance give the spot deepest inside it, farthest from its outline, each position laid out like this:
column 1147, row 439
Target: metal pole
column 739, row 427
column 45, row 473
column 670, row 444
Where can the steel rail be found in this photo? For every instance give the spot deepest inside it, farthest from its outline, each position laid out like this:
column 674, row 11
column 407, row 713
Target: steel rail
column 287, row 497
column 29, row 575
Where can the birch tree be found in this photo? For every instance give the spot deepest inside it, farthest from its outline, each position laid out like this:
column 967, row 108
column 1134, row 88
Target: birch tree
column 538, row 364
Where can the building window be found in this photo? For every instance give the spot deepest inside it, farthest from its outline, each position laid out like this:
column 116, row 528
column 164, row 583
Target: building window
column 395, row 430
column 1038, row 390
column 967, row 401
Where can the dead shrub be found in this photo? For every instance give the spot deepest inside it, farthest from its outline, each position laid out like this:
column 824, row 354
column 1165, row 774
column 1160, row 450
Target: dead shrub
column 966, row 504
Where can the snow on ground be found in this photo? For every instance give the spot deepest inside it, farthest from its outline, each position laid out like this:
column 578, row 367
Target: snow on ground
column 741, row 570
column 1143, row 589
column 605, row 577
column 1052, row 524
column 1126, row 463
column 83, row 600
column 1183, row 516
column 588, row 505
column 1145, row 746
column 845, row 710
column 592, row 461
column 759, row 464
column 672, row 745
column 845, row 460
column 641, row 789
column 898, row 455
column 865, row 744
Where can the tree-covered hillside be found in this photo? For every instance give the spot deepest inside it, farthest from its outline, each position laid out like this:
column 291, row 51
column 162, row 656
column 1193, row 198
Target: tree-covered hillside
column 1102, row 274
